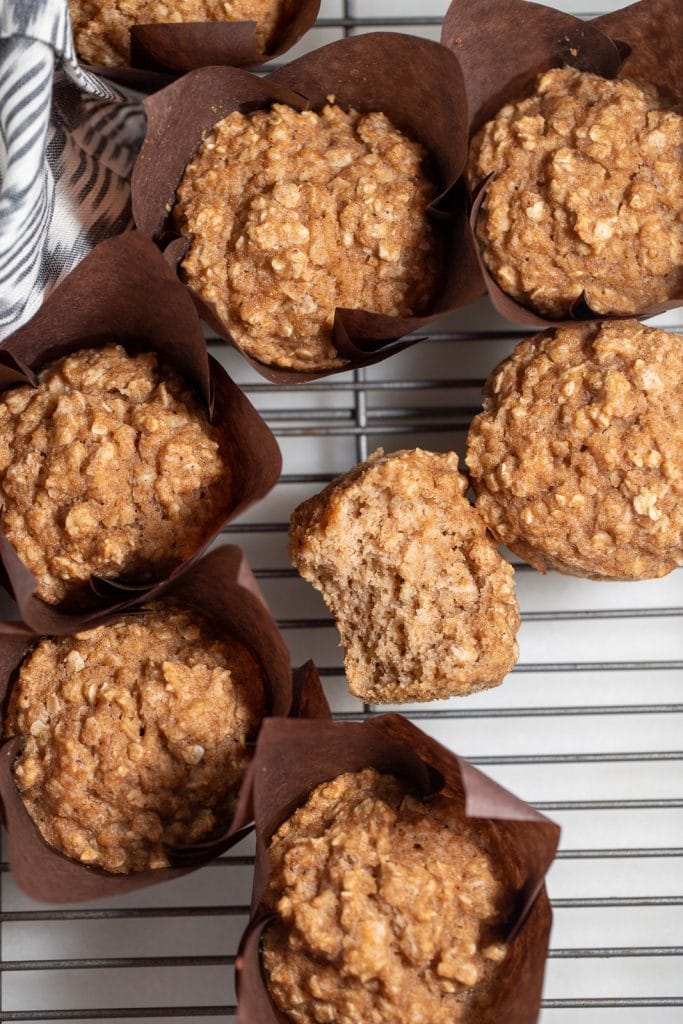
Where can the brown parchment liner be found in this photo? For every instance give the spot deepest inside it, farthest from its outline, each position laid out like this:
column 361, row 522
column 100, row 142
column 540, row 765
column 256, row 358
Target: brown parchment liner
column 416, row 83
column 503, row 45
column 124, row 291
column 160, row 52
column 221, row 587
column 525, row 840
column 140, row 79
column 180, row 47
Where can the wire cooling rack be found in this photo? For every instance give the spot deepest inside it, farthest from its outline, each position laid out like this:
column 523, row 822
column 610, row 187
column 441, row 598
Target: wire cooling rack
column 587, row 727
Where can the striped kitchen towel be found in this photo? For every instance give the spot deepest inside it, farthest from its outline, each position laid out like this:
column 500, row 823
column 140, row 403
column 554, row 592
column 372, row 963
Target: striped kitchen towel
column 68, row 140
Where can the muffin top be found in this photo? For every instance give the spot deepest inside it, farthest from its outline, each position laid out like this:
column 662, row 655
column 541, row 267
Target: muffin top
column 586, row 198
column 291, row 214
column 102, row 27
column 108, row 467
column 135, row 735
column 389, row 909
column 577, row 458
column 424, row 603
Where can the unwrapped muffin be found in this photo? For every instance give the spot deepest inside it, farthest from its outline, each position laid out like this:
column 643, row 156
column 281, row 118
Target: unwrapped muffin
column 108, row 467
column 585, row 199
column 102, row 27
column 577, row 458
column 424, row 604
column 388, row 908
column 291, row 214
column 135, row 735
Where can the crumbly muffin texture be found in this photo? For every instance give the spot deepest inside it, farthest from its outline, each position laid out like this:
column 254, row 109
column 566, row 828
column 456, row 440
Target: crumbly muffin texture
column 577, row 458
column 135, row 736
column 291, row 214
column 424, row 604
column 389, row 909
column 109, row 467
column 586, row 197
column 102, row 27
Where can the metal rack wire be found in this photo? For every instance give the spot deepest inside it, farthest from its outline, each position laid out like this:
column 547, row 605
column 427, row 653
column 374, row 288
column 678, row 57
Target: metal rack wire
column 587, row 727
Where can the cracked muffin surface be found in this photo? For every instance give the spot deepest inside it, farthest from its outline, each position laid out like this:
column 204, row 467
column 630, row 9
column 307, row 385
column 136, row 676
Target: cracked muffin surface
column 577, row 458
column 135, row 735
column 108, row 467
column 291, row 214
column 102, row 27
column 389, row 910
column 586, row 198
column 424, row 603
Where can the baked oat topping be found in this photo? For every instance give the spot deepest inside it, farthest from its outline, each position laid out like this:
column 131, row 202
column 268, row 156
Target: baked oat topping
column 108, row 467
column 577, row 458
column 102, row 27
column 587, row 195
column 135, row 736
column 291, row 214
column 424, row 604
column 390, row 910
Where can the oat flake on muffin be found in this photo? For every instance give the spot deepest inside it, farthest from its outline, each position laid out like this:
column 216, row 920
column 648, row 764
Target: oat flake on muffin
column 109, row 467
column 291, row 214
column 102, row 27
column 135, row 736
column 587, row 195
column 577, row 458
column 389, row 909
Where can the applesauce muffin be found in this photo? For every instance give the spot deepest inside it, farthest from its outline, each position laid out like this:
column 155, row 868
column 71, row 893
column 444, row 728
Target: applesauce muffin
column 102, row 27
column 389, row 909
column 108, row 467
column 586, row 198
column 135, row 735
column 425, row 605
column 291, row 214
column 577, row 458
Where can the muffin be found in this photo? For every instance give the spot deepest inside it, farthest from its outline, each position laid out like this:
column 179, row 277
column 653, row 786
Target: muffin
column 135, row 735
column 424, row 604
column 291, row 214
column 577, row 458
column 388, row 909
column 109, row 467
column 102, row 27
column 585, row 202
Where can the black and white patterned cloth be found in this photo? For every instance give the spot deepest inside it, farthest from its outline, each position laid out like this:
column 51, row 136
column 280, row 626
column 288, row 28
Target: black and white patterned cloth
column 68, row 140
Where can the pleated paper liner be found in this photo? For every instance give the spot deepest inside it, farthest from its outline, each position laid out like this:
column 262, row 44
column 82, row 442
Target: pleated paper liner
column 416, row 83
column 222, row 588
column 524, row 840
column 124, row 292
column 503, row 45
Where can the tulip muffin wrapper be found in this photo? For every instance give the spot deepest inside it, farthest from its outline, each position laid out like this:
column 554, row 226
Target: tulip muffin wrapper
column 181, row 47
column 379, row 71
column 222, row 588
column 160, row 52
column 124, row 292
column 486, row 36
column 526, row 841
column 140, row 80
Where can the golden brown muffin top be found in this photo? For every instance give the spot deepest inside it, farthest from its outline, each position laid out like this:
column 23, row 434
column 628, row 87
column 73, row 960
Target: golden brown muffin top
column 108, row 467
column 586, row 196
column 390, row 909
column 577, row 458
column 291, row 214
column 135, row 735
